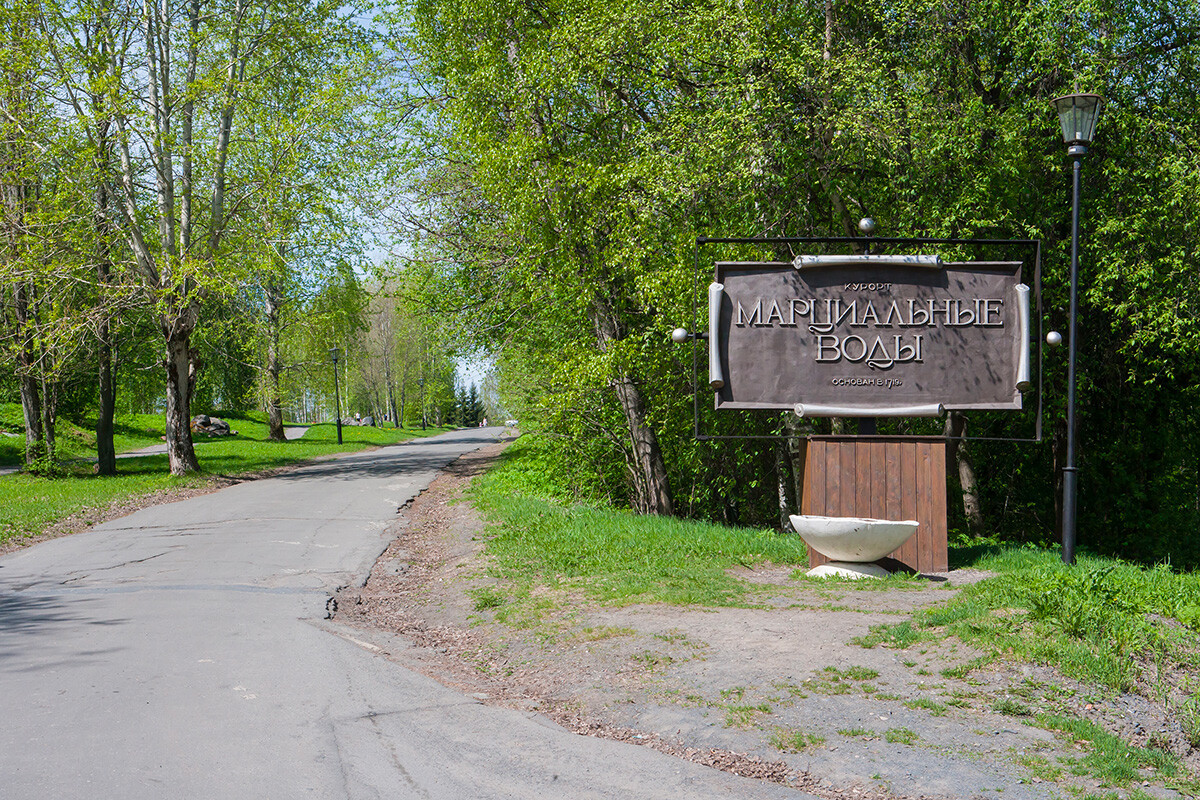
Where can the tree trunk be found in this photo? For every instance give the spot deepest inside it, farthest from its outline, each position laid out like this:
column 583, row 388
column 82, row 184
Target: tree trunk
column 651, row 490
column 275, row 431
column 49, row 416
column 31, row 397
column 180, row 379
column 106, row 453
column 785, row 481
column 391, row 388
column 31, row 408
column 795, row 449
column 956, row 426
column 274, row 368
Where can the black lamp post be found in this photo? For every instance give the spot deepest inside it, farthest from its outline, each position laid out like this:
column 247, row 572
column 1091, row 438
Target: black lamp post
column 1077, row 113
column 421, row 383
column 337, row 401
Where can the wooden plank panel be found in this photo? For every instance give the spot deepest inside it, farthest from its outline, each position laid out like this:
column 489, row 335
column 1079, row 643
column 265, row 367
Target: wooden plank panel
column 862, row 479
column 939, row 557
column 847, row 475
column 924, row 507
column 908, row 499
column 878, row 480
column 893, row 489
column 882, row 479
column 813, row 494
column 833, row 484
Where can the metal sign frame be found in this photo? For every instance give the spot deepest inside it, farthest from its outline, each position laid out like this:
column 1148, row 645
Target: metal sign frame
column 1029, row 247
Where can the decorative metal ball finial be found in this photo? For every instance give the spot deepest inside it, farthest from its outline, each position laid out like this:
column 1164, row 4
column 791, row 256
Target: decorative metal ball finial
column 866, row 225
column 1054, row 338
column 680, row 335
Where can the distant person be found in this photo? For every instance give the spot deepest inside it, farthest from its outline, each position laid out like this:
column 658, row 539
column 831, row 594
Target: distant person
column 484, row 423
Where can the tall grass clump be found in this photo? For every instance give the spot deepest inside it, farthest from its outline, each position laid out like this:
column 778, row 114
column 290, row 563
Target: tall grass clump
column 614, row 556
column 1100, row 620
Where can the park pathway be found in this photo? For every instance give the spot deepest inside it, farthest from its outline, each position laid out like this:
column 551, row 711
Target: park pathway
column 183, row 652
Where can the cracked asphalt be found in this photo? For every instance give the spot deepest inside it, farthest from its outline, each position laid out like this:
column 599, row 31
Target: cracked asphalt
column 184, row 652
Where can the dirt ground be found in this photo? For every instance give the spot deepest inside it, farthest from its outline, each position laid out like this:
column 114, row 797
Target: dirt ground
column 781, row 691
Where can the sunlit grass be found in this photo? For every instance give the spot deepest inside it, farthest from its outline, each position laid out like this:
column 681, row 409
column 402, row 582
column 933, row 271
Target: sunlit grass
column 614, row 556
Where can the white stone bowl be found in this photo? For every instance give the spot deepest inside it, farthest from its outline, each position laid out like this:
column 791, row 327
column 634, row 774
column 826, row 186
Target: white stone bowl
column 853, row 538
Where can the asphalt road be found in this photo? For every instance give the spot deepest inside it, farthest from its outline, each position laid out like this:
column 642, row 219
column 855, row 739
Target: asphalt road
column 183, row 652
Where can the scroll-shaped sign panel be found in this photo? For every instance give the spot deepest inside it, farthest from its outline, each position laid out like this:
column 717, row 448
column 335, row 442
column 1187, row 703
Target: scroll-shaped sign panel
column 840, row 336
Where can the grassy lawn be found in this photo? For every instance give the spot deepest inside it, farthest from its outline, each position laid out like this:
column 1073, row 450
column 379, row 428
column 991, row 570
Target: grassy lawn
column 1120, row 626
column 28, row 504
column 1113, row 626
column 611, row 556
column 131, row 432
column 12, row 434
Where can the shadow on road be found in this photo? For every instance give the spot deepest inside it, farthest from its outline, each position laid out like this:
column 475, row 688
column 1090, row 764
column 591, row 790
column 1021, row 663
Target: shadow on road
column 385, row 463
column 26, row 620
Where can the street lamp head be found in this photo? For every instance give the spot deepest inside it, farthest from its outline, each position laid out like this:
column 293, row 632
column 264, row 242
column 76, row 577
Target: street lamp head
column 1077, row 113
column 333, row 354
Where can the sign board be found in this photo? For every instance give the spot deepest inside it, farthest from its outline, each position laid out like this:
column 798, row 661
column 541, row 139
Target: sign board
column 869, row 335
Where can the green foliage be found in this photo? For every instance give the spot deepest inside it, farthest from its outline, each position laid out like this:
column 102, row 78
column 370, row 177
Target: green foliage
column 44, row 465
column 569, row 154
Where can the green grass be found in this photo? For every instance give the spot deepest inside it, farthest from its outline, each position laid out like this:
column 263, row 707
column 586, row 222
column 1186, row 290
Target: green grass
column 932, row 706
column 135, row 431
column 613, row 556
column 1112, row 625
column 744, row 716
column 77, row 441
column 1107, row 757
column 900, row 736
column 789, row 740
column 1011, row 708
column 857, row 673
column 1094, row 621
column 1039, row 766
column 486, row 597
column 12, row 434
column 855, row 732
column 30, row 504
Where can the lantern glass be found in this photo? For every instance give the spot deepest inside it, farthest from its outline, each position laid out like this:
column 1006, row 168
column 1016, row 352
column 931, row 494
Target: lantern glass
column 1078, row 113
column 333, row 354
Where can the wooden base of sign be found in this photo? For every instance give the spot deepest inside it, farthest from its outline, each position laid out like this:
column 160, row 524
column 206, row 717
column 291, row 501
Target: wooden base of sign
column 881, row 478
